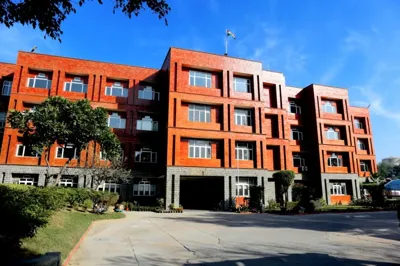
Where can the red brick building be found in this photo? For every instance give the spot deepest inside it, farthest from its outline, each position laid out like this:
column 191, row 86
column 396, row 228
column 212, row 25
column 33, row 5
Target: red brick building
column 201, row 130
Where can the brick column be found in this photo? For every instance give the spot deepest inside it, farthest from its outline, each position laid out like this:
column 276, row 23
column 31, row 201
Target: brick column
column 41, row 180
column 8, row 179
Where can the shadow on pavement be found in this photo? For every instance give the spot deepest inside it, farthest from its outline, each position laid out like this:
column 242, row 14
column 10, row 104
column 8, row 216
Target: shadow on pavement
column 382, row 225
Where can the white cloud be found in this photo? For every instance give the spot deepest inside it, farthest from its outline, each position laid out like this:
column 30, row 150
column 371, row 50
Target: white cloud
column 331, row 73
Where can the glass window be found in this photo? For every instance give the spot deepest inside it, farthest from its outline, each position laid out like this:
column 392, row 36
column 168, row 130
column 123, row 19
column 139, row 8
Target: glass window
column 66, row 152
column 244, row 151
column 361, row 145
column 294, row 108
column 25, row 151
column 148, row 93
column 68, row 182
column 200, row 149
column 145, row 155
column 335, row 161
column 242, row 117
column 76, row 85
column 243, row 187
column 6, row 90
column 200, row 79
column 338, row 189
column 115, row 121
column 332, row 134
column 147, row 124
column 117, row 90
column 144, row 188
column 3, row 116
column 297, row 134
column 358, row 124
column 40, row 81
column 298, row 161
column 199, row 113
column 110, row 187
column 364, row 167
column 241, row 84
column 328, row 107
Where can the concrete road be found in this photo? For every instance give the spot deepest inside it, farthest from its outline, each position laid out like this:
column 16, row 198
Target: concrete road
column 217, row 238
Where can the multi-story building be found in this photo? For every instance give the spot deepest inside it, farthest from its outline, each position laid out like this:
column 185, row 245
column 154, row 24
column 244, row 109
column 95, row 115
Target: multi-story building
column 201, row 130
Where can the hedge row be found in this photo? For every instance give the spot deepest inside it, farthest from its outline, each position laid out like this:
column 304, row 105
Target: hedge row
column 25, row 209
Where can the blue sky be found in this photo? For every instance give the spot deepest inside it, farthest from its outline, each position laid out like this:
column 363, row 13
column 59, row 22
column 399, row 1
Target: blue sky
column 351, row 44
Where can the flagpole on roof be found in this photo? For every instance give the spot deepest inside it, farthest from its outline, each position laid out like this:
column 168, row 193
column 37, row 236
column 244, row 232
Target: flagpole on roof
column 226, row 42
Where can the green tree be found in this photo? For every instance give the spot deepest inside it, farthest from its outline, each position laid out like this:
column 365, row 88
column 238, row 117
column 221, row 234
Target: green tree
column 48, row 15
column 284, row 179
column 385, row 170
column 58, row 121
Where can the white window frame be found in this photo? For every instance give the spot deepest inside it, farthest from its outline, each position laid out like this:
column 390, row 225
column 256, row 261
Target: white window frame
column 67, row 182
column 110, row 187
column 144, row 94
column 297, row 108
column 199, row 149
column 138, row 155
column 358, row 124
column 23, row 151
column 244, row 151
column 76, row 80
column 40, row 76
column 327, row 107
column 199, row 113
column 364, row 167
column 243, row 117
column 242, row 81
column 338, row 189
column 63, row 150
column 28, row 181
column 301, row 159
column 122, row 121
column 242, row 185
column 6, row 90
column 194, row 75
column 298, row 133
column 334, row 157
column 331, row 134
column 144, row 189
column 361, row 145
column 123, row 92
column 102, row 156
column 141, row 124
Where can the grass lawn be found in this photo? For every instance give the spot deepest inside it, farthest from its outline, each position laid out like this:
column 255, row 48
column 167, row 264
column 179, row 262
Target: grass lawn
column 328, row 208
column 63, row 232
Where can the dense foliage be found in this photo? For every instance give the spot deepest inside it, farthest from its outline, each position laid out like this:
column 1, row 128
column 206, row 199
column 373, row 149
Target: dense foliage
column 284, row 180
column 48, row 15
column 25, row 209
column 256, row 197
column 376, row 192
column 58, row 121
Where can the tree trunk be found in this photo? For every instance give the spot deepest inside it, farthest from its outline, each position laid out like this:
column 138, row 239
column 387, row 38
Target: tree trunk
column 62, row 171
column 48, row 176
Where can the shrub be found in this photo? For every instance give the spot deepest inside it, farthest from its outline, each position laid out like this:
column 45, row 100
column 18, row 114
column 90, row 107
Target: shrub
column 298, row 191
column 376, row 192
column 131, row 206
column 284, row 180
column 160, row 202
column 87, row 204
column 24, row 211
column 291, row 205
column 75, row 205
column 272, row 205
column 316, row 205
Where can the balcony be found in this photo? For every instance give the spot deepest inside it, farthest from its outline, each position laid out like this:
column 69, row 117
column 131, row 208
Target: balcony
column 147, row 124
column 337, row 169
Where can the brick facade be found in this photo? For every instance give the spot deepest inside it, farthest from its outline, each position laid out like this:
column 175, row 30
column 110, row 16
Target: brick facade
column 276, row 114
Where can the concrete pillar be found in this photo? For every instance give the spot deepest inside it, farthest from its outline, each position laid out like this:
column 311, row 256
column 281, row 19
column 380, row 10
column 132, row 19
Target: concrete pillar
column 259, row 181
column 227, row 193
column 8, row 179
column 177, row 183
column 41, row 180
column 356, row 189
column 81, row 181
column 233, row 191
column 324, row 196
column 168, row 190
column 1, row 178
column 328, row 191
column 88, row 181
column 290, row 194
column 269, row 190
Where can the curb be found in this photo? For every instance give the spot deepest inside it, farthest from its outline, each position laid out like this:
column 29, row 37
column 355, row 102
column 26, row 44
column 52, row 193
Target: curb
column 76, row 247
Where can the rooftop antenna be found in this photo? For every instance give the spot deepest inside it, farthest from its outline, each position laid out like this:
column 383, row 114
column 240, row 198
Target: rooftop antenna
column 34, row 49
column 369, row 105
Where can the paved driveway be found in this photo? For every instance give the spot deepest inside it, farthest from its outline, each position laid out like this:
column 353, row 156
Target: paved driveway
column 217, row 238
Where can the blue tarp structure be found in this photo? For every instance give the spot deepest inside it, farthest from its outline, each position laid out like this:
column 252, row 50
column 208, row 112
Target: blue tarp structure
column 393, row 185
